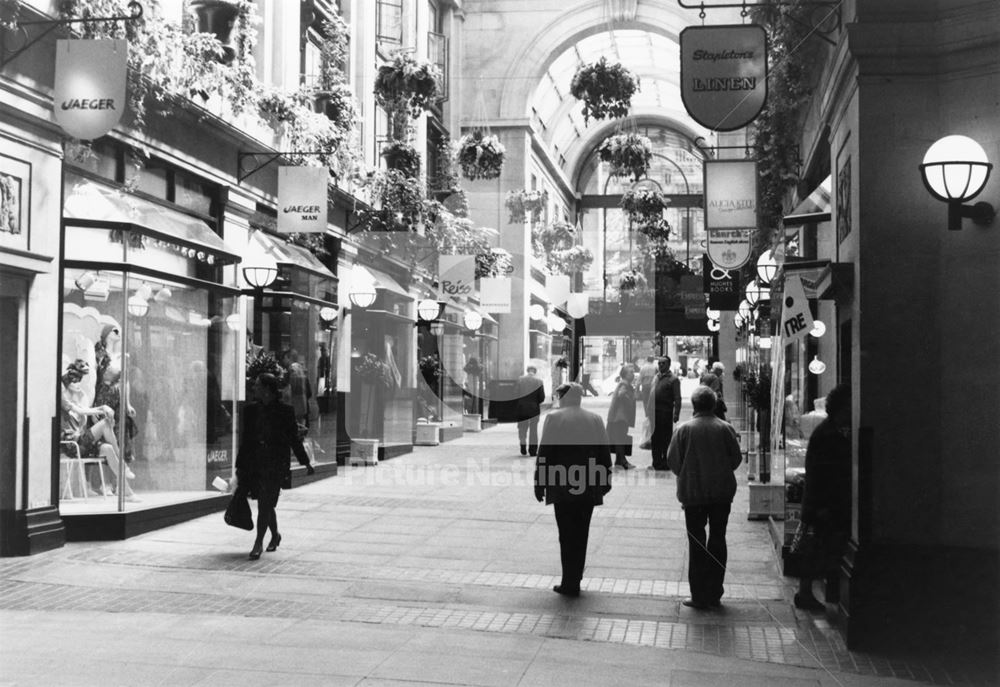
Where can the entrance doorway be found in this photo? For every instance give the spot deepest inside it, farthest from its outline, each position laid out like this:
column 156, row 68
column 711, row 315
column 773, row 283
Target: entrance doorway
column 13, row 304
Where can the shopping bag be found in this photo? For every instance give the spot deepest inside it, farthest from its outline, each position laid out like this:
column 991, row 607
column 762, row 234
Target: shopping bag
column 647, row 433
column 238, row 511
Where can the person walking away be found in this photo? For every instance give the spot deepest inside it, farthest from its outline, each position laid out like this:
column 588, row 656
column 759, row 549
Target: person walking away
column 703, row 453
column 826, row 501
column 263, row 465
column 530, row 397
column 573, row 473
column 621, row 416
column 663, row 410
column 712, row 378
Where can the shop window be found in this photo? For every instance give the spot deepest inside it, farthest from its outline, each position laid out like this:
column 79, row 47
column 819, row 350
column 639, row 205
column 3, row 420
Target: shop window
column 389, row 24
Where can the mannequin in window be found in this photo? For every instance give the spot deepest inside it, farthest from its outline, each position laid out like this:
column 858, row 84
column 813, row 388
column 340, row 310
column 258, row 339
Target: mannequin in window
column 109, row 393
column 106, row 347
column 97, row 439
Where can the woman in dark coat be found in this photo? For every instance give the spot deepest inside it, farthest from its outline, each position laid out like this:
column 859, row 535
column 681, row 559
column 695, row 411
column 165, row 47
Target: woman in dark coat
column 263, row 465
column 826, row 501
column 621, row 416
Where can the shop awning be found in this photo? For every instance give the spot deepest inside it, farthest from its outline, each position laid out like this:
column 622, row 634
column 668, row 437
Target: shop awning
column 381, row 280
column 91, row 203
column 815, row 208
column 289, row 254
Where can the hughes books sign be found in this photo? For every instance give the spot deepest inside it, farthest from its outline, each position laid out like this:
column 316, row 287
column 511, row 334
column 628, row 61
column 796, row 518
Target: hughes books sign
column 723, row 74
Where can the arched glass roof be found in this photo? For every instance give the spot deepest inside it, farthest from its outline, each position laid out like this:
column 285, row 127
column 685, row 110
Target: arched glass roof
column 654, row 58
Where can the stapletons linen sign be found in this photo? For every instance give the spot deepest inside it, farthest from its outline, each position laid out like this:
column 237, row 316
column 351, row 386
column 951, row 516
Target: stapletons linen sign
column 724, row 74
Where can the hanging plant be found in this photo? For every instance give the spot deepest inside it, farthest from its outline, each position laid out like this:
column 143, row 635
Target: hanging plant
column 398, row 203
column 494, row 262
column 643, row 203
column 627, row 154
column 371, row 370
column 605, row 89
column 547, row 239
column 631, row 279
column 260, row 362
column 402, row 157
column 277, row 107
column 337, row 104
column 480, row 157
column 430, row 368
column 407, row 84
column 524, row 204
column 571, row 261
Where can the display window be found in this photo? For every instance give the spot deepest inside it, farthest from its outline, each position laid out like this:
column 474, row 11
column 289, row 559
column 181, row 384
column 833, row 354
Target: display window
column 149, row 354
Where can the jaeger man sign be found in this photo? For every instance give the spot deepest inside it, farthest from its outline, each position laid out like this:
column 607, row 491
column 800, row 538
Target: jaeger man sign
column 302, row 199
column 724, row 74
column 89, row 95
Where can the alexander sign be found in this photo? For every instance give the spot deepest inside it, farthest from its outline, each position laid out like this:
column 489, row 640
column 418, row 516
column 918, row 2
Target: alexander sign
column 90, row 86
column 302, row 194
column 724, row 74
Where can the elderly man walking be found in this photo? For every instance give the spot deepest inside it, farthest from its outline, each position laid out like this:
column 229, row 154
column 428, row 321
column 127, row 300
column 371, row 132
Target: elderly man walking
column 573, row 473
column 704, row 452
column 663, row 410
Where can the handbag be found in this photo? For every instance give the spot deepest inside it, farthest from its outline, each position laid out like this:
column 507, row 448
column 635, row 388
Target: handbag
column 238, row 511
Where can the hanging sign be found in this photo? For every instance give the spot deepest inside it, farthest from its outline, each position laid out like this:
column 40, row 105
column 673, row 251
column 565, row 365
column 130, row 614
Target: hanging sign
column 89, row 93
column 721, row 285
column 302, row 199
column 730, row 194
column 557, row 286
column 796, row 318
column 456, row 276
column 692, row 297
column 729, row 249
column 724, row 74
column 494, row 294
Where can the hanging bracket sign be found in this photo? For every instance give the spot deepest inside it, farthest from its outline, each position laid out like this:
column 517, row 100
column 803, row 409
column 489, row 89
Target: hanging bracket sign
column 730, row 211
column 724, row 74
column 89, row 93
column 302, row 199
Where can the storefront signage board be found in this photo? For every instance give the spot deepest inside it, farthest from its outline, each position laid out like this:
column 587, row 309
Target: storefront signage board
column 302, row 199
column 724, row 74
column 692, row 294
column 494, row 294
column 456, row 276
column 89, row 93
column 557, row 286
column 721, row 285
column 729, row 249
column 796, row 318
column 730, row 194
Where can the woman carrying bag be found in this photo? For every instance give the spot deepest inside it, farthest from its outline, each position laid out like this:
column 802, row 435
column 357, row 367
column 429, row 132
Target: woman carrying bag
column 263, row 465
column 621, row 416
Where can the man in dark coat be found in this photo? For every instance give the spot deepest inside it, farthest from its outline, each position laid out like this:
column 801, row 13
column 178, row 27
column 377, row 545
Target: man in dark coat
column 663, row 410
column 263, row 464
column 703, row 453
column 530, row 397
column 573, row 473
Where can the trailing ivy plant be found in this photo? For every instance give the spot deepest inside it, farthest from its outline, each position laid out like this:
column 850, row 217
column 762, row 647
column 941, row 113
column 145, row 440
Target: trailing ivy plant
column 777, row 128
column 402, row 157
column 407, row 84
column 627, row 154
column 480, row 156
column 606, row 90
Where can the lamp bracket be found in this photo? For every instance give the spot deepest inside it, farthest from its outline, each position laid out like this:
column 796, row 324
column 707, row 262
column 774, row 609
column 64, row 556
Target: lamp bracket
column 981, row 213
column 262, row 160
column 9, row 54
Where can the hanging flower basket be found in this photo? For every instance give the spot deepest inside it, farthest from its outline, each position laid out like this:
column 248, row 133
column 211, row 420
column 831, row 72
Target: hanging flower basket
column 606, row 90
column 571, row 261
column 218, row 17
column 276, row 107
column 551, row 238
column 407, row 83
column 631, row 279
column 496, row 262
column 522, row 205
column 481, row 157
column 643, row 203
column 402, row 157
column 337, row 104
column 627, row 154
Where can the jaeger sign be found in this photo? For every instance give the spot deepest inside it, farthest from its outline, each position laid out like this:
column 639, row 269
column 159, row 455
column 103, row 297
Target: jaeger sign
column 90, row 86
column 302, row 199
column 724, row 74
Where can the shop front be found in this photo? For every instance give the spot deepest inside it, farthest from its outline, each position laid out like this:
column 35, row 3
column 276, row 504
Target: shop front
column 148, row 360
column 294, row 324
column 380, row 387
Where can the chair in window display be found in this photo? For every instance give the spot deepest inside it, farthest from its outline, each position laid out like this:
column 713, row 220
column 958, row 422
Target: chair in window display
column 75, row 462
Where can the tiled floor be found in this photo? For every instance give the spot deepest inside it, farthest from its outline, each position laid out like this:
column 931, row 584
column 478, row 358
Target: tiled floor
column 424, row 555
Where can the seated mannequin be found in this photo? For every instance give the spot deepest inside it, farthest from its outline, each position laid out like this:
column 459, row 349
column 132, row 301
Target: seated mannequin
column 97, row 439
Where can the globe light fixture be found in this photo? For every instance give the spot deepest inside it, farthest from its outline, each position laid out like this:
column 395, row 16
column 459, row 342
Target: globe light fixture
column 260, row 268
column 473, row 320
column 712, row 314
column 163, row 295
column 234, row 322
column 138, row 306
column 744, row 310
column 429, row 310
column 955, row 170
column 818, row 330
column 817, row 366
column 578, row 305
column 713, row 325
column 536, row 312
column 327, row 314
column 752, row 294
column 739, row 320
column 767, row 267
column 362, row 292
column 556, row 323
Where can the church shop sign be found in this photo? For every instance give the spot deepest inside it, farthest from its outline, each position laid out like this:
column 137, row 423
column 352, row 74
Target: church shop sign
column 302, row 199
column 730, row 211
column 724, row 74
column 89, row 91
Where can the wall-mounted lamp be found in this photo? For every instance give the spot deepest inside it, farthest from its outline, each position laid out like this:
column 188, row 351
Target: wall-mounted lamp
column 362, row 293
column 472, row 320
column 536, row 312
column 712, row 314
column 578, row 305
column 955, row 170
column 327, row 314
column 744, row 310
column 767, row 267
column 260, row 276
column 739, row 320
column 753, row 293
column 429, row 310
column 137, row 305
column 817, row 366
column 818, row 330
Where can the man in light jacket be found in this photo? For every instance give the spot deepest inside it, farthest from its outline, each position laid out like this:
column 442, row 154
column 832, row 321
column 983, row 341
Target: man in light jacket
column 573, row 473
column 703, row 453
